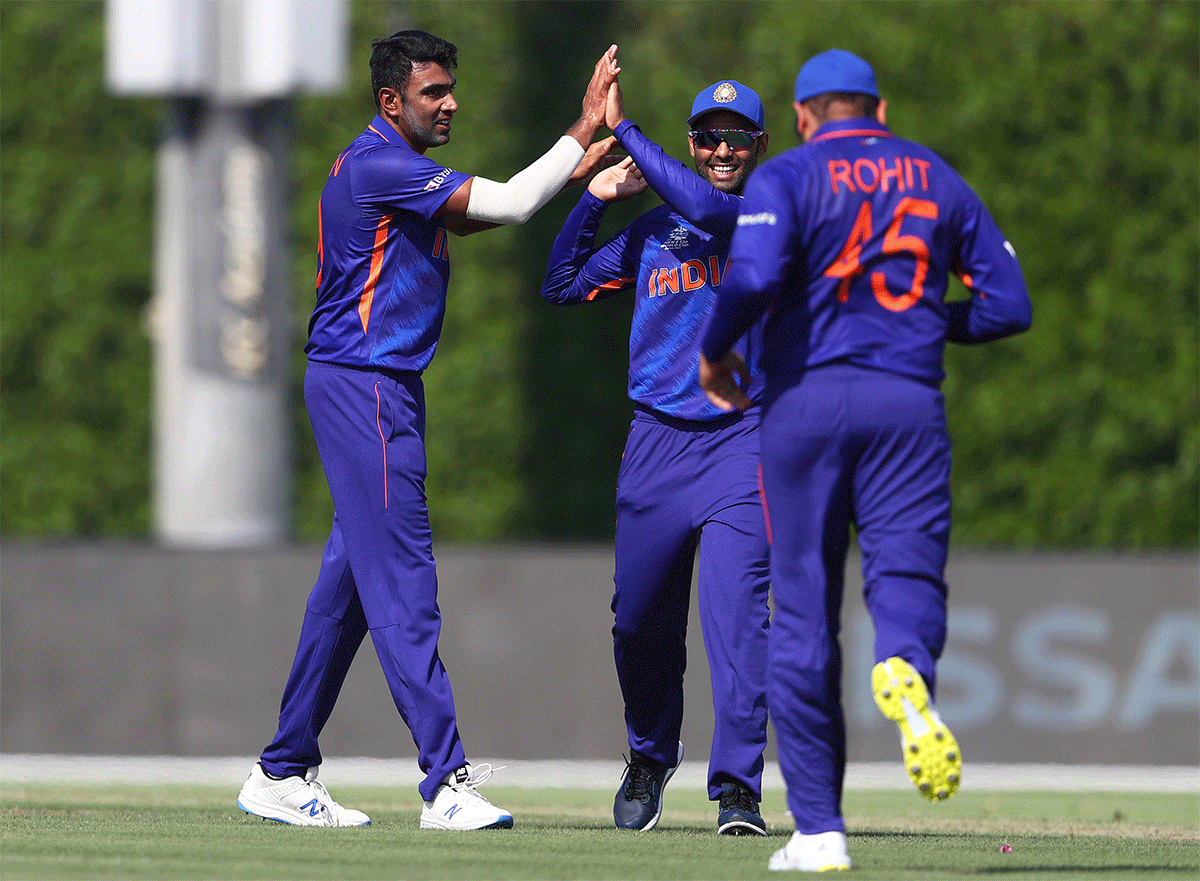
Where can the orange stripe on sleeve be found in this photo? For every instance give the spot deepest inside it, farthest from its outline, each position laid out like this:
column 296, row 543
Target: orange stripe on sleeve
column 608, row 287
column 368, row 294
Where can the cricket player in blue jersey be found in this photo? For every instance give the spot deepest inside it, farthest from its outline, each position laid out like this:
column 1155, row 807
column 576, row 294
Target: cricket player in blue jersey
column 846, row 243
column 382, row 272
column 689, row 474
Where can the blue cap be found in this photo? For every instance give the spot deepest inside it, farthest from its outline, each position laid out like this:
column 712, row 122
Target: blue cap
column 729, row 95
column 835, row 70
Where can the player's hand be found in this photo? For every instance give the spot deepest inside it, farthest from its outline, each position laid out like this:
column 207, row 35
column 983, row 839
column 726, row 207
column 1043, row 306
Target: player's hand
column 614, row 112
column 595, row 99
column 619, row 182
column 596, row 157
column 719, row 383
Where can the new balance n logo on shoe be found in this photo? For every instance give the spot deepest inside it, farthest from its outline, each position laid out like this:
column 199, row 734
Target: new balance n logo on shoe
column 299, row 800
column 457, row 803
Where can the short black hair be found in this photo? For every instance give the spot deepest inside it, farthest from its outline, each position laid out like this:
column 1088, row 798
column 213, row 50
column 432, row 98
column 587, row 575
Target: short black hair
column 856, row 103
column 392, row 58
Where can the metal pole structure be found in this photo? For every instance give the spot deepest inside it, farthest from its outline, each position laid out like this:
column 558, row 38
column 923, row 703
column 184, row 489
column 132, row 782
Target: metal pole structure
column 222, row 431
column 220, row 315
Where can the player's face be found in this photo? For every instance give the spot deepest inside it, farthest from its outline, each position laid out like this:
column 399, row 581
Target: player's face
column 723, row 166
column 427, row 105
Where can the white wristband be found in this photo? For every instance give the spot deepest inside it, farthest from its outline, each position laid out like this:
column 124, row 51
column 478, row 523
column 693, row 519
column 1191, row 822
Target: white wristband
column 528, row 190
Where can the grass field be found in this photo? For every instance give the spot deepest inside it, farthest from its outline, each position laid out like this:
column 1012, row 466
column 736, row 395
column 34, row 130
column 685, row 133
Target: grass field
column 189, row 831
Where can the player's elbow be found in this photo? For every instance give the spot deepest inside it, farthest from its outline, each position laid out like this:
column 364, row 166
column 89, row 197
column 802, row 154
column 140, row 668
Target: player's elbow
column 1022, row 317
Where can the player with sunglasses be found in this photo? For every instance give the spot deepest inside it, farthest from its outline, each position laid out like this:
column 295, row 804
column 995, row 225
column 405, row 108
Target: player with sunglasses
column 688, row 478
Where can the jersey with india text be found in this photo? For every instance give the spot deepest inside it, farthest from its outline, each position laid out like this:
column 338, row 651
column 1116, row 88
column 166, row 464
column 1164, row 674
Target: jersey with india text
column 383, row 259
column 673, row 269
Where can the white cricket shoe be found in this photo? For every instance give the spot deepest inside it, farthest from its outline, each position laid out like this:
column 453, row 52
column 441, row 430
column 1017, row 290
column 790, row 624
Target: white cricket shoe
column 822, row 852
column 299, row 801
column 458, row 805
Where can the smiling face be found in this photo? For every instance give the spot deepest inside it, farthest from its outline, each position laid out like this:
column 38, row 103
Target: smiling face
column 422, row 113
column 723, row 167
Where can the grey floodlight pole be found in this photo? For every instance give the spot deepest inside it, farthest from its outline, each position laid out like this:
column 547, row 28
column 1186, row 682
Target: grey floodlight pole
column 221, row 283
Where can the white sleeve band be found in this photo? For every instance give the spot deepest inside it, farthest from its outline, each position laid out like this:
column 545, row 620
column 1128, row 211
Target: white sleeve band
column 528, row 190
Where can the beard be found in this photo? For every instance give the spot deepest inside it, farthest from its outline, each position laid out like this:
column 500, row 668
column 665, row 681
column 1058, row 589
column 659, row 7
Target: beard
column 425, row 134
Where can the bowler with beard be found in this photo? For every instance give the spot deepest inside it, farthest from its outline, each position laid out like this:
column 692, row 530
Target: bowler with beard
column 688, row 481
column 383, row 267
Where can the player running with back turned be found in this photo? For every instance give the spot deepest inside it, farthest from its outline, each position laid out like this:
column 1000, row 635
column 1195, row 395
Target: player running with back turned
column 847, row 242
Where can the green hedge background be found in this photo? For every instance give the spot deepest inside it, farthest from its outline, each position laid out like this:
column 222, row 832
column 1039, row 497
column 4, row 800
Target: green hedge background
column 1076, row 121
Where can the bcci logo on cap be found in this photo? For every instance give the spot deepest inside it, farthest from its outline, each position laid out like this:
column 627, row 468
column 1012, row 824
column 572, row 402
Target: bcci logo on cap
column 724, row 93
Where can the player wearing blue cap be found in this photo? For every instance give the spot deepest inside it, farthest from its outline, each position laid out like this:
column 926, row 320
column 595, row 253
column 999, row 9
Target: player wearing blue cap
column 382, row 271
column 689, row 474
column 847, row 242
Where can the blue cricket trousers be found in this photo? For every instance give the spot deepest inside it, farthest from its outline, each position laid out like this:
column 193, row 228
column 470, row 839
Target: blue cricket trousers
column 846, row 445
column 681, row 484
column 377, row 572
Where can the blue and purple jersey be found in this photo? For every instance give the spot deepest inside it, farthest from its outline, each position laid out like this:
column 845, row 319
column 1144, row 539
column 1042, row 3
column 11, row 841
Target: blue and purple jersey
column 383, row 258
column 672, row 266
column 847, row 244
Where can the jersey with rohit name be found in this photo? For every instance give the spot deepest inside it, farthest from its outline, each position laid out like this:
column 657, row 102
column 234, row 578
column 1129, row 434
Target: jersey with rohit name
column 847, row 243
column 383, row 262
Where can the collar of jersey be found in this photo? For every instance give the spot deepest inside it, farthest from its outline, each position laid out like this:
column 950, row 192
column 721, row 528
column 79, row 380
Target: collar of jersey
column 850, row 128
column 380, row 126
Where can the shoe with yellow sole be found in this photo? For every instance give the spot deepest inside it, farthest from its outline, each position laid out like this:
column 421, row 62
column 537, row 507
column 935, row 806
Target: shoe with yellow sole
column 931, row 754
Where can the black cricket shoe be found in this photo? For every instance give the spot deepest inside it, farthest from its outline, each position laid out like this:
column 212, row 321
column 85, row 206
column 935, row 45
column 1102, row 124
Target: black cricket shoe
column 738, row 812
column 639, row 801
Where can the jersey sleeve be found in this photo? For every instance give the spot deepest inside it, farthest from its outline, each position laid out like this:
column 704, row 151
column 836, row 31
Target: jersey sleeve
column 759, row 259
column 402, row 180
column 999, row 304
column 579, row 272
column 692, row 196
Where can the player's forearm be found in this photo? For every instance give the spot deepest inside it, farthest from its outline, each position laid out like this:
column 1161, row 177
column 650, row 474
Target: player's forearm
column 982, row 319
column 564, row 282
column 742, row 298
column 693, row 197
column 999, row 305
column 585, row 129
column 515, row 202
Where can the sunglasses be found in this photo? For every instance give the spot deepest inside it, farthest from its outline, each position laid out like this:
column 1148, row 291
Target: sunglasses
column 737, row 139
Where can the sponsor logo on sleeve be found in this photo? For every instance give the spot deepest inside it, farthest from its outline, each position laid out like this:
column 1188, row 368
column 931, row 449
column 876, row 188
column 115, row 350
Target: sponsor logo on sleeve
column 439, row 180
column 766, row 218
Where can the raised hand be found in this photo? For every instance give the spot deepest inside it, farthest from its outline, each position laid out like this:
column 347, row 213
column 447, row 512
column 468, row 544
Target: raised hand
column 595, row 158
column 619, row 182
column 595, row 98
column 614, row 113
